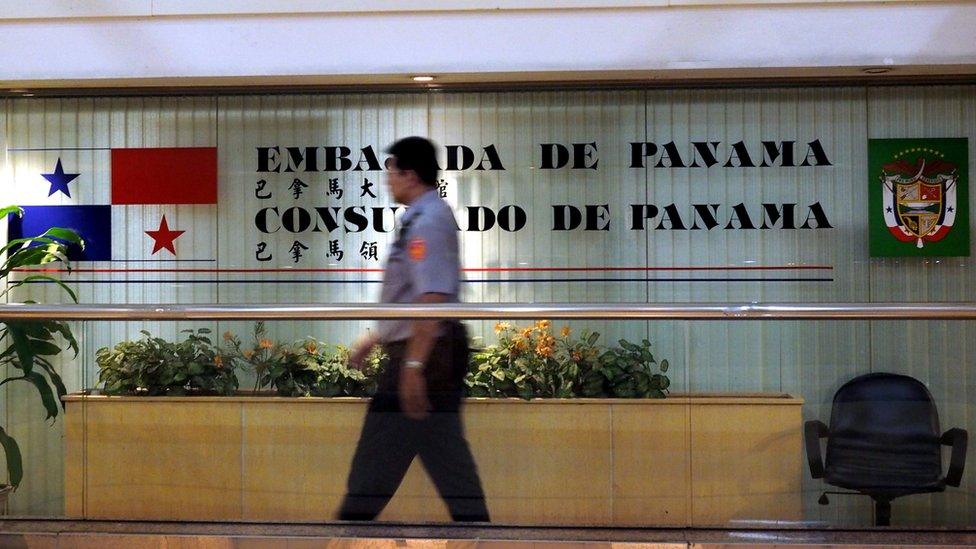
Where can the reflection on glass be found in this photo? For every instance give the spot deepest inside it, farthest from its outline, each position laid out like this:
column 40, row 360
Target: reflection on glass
column 563, row 424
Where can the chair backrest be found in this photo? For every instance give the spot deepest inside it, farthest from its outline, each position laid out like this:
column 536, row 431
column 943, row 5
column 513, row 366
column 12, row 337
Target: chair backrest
column 884, row 432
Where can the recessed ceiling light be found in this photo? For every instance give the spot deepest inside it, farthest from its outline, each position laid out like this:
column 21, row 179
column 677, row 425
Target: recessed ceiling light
column 423, row 78
column 876, row 70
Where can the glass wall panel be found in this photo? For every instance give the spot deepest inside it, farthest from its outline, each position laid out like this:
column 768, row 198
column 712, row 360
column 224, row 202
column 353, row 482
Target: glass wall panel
column 623, row 196
column 608, row 451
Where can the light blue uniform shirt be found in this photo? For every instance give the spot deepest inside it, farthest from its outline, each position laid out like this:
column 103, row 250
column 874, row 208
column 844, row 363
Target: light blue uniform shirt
column 424, row 259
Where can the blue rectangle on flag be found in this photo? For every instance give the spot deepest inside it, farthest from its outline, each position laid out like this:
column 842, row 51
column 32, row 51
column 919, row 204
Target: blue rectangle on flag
column 93, row 223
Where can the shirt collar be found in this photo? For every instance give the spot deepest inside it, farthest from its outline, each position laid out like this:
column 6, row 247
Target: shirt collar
column 418, row 205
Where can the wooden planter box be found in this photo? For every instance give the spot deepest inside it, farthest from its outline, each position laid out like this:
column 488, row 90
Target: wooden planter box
column 682, row 461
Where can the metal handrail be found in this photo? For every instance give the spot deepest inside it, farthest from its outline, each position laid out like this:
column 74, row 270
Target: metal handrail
column 469, row 311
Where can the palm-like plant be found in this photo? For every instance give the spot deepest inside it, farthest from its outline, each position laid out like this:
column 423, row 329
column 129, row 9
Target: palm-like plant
column 31, row 344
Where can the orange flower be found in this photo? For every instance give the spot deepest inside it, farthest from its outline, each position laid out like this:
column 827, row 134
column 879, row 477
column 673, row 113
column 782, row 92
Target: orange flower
column 248, row 354
column 266, row 343
column 576, row 356
column 544, row 351
column 310, row 346
column 219, row 361
column 527, row 332
column 543, row 324
column 521, row 345
column 228, row 336
column 564, row 332
column 501, row 327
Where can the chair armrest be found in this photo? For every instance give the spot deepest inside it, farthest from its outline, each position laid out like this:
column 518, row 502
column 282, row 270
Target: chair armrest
column 958, row 439
column 813, row 431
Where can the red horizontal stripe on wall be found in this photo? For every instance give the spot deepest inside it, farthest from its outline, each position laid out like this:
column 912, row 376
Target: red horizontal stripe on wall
column 182, row 175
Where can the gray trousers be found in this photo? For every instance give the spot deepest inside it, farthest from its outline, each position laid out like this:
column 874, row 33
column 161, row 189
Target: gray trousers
column 390, row 440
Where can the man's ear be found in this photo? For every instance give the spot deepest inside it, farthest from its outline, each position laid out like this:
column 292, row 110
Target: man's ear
column 415, row 178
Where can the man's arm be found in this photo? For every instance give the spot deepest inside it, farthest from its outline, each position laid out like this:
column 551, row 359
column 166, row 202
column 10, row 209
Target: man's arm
column 413, row 384
column 361, row 349
column 424, row 332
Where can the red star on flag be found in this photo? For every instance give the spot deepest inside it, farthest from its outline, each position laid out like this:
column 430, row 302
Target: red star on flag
column 163, row 237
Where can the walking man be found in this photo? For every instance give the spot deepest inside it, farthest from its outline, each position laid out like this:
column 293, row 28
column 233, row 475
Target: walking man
column 416, row 410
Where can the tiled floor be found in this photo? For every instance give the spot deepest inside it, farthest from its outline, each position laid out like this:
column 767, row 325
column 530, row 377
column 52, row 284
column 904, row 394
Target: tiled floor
column 90, row 541
column 58, row 534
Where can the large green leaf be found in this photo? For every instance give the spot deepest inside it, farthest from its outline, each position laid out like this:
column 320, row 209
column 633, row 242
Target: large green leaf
column 47, row 397
column 628, row 345
column 7, row 353
column 23, row 257
column 66, row 235
column 55, row 379
column 63, row 329
column 21, row 343
column 37, row 330
column 4, row 212
column 25, row 243
column 42, row 347
column 646, row 356
column 15, row 463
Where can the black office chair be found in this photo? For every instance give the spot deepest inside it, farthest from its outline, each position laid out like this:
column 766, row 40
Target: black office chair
column 884, row 442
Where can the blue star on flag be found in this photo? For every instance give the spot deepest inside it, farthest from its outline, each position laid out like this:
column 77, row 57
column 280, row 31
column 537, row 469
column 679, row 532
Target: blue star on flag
column 59, row 180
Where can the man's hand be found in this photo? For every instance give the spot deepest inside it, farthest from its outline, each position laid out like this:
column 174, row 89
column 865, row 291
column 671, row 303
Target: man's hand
column 361, row 350
column 413, row 393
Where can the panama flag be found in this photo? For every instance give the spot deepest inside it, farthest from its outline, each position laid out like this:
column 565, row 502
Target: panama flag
column 136, row 177
column 164, row 176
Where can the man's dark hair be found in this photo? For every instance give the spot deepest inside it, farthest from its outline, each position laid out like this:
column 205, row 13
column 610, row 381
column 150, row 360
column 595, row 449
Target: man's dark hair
column 417, row 154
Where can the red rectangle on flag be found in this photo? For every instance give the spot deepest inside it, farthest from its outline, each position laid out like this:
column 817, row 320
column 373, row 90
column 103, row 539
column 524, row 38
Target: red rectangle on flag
column 183, row 175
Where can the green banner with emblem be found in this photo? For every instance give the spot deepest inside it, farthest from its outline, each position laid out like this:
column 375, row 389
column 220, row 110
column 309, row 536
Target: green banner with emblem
column 919, row 201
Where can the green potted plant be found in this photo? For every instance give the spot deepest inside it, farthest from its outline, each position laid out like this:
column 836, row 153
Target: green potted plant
column 152, row 366
column 304, row 368
column 629, row 371
column 336, row 378
column 276, row 366
column 526, row 362
column 30, row 345
column 533, row 362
